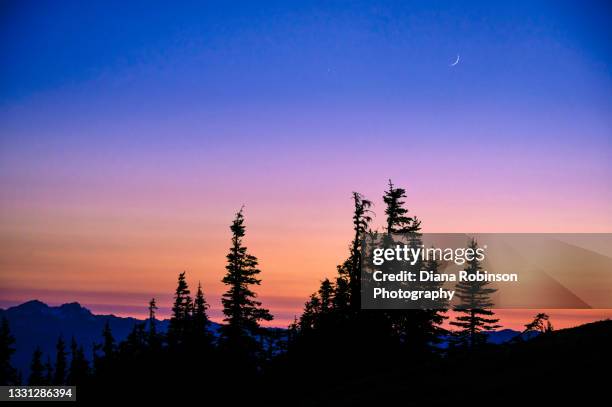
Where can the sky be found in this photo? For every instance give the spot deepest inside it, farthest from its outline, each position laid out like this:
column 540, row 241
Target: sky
column 131, row 133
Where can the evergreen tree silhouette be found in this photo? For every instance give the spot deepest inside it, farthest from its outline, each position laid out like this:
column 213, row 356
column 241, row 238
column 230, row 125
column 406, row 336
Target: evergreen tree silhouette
column 474, row 311
column 59, row 376
column 325, row 316
column 397, row 219
column 410, row 326
column 326, row 293
column 361, row 225
column 108, row 342
column 37, row 370
column 152, row 309
column 200, row 318
column 79, row 367
column 310, row 316
column 339, row 303
column 181, row 312
column 342, row 297
column 8, row 374
column 293, row 331
column 541, row 323
column 136, row 341
column 241, row 309
column 103, row 364
column 153, row 339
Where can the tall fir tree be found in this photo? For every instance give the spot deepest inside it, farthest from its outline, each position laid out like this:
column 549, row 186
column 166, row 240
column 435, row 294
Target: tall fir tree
column 153, row 338
column 79, row 367
column 541, row 324
column 326, row 293
column 293, row 331
column 399, row 224
column 108, row 342
column 362, row 216
column 327, row 316
column 418, row 329
column 475, row 315
column 342, row 297
column 398, row 220
column 200, row 318
column 310, row 316
column 59, row 376
column 37, row 370
column 136, row 341
column 181, row 312
column 8, row 374
column 241, row 309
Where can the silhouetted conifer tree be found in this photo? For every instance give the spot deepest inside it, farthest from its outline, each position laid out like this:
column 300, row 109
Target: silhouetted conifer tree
column 293, row 330
column 541, row 323
column 108, row 342
column 152, row 309
column 181, row 312
column 310, row 316
column 474, row 308
column 361, row 225
column 153, row 338
column 136, row 341
column 8, row 374
column 326, row 293
column 241, row 309
column 406, row 324
column 397, row 219
column 342, row 297
column 327, row 317
column 37, row 370
column 59, row 376
column 79, row 367
column 418, row 329
column 200, row 318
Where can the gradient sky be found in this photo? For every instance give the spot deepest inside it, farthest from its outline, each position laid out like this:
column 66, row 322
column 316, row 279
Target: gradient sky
column 131, row 132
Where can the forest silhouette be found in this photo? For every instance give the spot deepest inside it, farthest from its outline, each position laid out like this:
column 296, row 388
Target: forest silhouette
column 335, row 353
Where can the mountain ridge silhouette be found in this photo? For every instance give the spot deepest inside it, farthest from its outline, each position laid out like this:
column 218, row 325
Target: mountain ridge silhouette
column 35, row 323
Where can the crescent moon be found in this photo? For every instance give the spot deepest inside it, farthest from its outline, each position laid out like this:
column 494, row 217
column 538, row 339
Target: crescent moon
column 456, row 61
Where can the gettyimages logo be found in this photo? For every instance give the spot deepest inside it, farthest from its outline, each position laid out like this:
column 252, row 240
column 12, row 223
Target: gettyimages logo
column 437, row 271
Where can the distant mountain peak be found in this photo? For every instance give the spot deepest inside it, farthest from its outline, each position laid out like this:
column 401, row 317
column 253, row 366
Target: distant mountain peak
column 69, row 310
column 71, row 305
column 35, row 324
column 31, row 306
column 73, row 308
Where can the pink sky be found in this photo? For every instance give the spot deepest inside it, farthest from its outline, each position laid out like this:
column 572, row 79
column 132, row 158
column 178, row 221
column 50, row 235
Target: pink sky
column 113, row 260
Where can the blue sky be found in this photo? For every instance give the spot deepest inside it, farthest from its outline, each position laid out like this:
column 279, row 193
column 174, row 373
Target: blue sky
column 334, row 52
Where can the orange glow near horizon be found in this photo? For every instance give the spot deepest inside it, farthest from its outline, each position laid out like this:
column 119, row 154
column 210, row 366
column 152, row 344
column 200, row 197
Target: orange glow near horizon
column 115, row 262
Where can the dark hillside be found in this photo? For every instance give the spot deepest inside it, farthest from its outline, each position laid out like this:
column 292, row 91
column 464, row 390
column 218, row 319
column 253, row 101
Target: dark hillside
column 569, row 364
